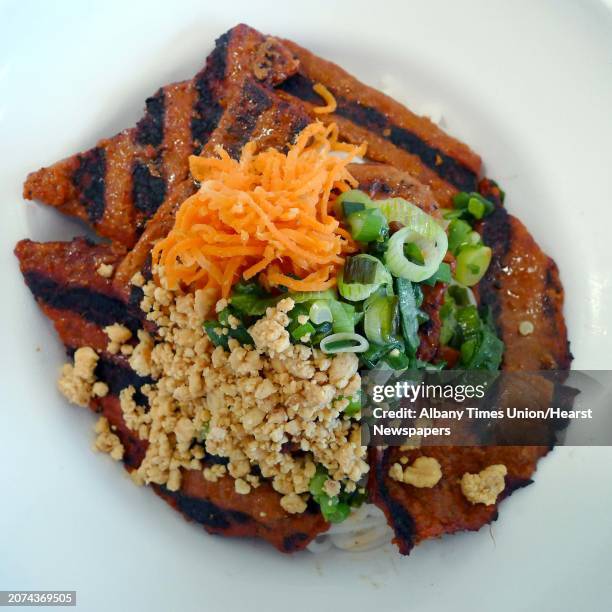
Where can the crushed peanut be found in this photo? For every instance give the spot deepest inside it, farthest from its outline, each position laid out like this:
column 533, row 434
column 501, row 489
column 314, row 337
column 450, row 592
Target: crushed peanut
column 424, row 473
column 77, row 380
column 213, row 473
column 118, row 335
column 484, row 487
column 99, row 389
column 105, row 270
column 293, row 503
column 106, row 441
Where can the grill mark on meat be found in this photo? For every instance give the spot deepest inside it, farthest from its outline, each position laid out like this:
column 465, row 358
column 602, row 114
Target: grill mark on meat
column 148, row 189
column 497, row 235
column 207, row 109
column 119, row 377
column 93, row 306
column 368, row 117
column 206, row 512
column 253, row 102
column 399, row 518
column 150, row 129
column 88, row 178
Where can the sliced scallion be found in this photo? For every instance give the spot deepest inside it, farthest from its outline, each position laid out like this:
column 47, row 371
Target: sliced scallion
column 299, row 297
column 367, row 225
column 408, row 314
column 344, row 343
column 320, row 312
column 343, row 317
column 381, row 318
column 472, row 263
column 352, row 201
column 458, row 235
column 429, row 238
column 301, row 331
column 361, row 269
column 354, row 405
column 441, row 275
column 361, row 276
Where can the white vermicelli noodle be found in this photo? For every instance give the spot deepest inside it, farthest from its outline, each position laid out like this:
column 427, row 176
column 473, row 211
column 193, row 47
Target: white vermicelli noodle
column 366, row 528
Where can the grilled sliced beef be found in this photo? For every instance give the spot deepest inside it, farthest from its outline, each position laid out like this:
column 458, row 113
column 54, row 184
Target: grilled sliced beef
column 394, row 134
column 255, row 113
column 121, row 182
column 419, row 514
column 522, row 284
column 221, row 510
column 381, row 181
column 80, row 302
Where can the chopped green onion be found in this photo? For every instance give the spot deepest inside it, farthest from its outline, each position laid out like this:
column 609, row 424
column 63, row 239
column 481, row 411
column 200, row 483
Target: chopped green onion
column 344, row 343
column 458, row 232
column 214, row 331
column 320, row 312
column 315, row 486
column 428, row 236
column 350, row 208
column 451, row 214
column 482, row 352
column 408, row 314
column 351, row 201
column 361, row 269
column 238, row 332
column 321, row 331
column 472, row 263
column 380, row 320
column 354, row 405
column 299, row 297
column 398, row 360
column 302, row 330
column 468, row 321
column 449, row 321
column 367, row 224
column 332, row 509
column 474, row 204
column 361, row 276
column 251, row 299
column 376, row 352
column 463, row 296
column 343, row 317
column 441, row 275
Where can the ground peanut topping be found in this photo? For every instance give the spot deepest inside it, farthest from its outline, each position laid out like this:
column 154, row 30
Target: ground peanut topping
column 424, row 473
column 106, row 441
column 484, row 487
column 77, row 382
column 254, row 406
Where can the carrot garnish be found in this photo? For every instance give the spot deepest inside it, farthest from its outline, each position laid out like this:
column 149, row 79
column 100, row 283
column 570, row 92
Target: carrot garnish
column 330, row 101
column 267, row 214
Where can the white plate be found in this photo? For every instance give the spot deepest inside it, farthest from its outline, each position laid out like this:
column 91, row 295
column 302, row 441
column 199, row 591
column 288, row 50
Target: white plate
column 527, row 84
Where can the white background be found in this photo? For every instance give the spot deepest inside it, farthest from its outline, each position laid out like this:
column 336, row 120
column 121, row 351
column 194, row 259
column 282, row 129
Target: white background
column 527, row 84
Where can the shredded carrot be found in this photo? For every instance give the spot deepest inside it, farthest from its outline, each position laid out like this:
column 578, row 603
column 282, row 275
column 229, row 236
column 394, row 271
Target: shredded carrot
column 330, row 101
column 267, row 214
